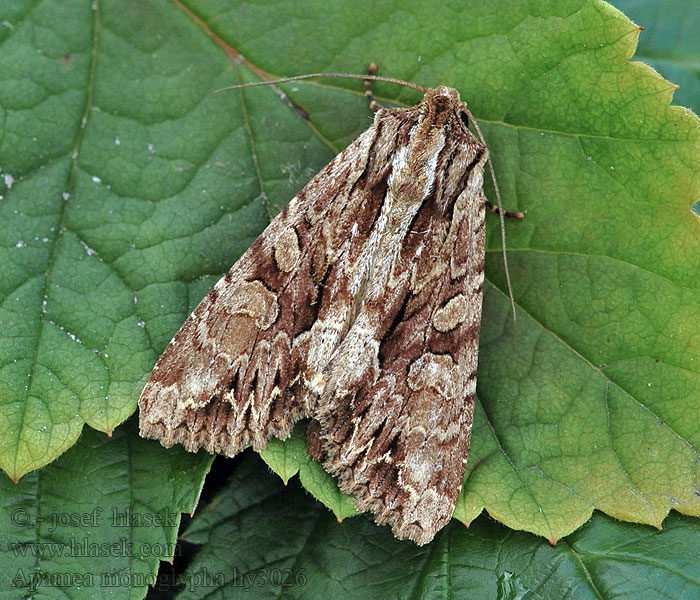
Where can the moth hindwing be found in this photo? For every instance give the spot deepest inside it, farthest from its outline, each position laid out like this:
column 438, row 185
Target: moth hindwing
column 359, row 308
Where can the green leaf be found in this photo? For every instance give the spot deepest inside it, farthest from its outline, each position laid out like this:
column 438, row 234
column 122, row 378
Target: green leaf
column 130, row 187
column 287, row 545
column 102, row 516
column 669, row 43
column 289, row 457
column 135, row 186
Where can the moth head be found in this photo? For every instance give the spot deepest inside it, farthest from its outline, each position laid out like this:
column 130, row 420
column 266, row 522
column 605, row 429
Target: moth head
column 444, row 106
column 443, row 99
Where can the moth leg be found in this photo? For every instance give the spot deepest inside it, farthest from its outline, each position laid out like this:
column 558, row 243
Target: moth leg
column 506, row 213
column 374, row 106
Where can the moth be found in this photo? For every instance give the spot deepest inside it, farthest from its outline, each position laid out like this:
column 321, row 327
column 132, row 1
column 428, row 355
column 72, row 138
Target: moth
column 358, row 308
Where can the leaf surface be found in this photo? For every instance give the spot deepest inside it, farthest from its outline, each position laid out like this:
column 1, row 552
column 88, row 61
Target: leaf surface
column 97, row 520
column 288, row 546
column 129, row 187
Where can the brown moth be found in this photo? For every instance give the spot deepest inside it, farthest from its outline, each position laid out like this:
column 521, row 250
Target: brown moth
column 358, row 307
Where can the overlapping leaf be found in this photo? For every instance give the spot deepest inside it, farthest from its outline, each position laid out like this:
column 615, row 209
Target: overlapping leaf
column 129, row 187
column 288, row 546
column 99, row 519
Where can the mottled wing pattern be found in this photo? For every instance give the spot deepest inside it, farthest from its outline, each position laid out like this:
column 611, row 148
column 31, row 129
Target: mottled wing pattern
column 231, row 376
column 359, row 306
column 395, row 427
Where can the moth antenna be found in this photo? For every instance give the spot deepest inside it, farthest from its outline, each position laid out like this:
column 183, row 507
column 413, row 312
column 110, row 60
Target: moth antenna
column 409, row 84
column 500, row 212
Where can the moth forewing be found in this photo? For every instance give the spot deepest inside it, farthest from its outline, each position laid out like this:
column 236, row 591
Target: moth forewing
column 359, row 308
